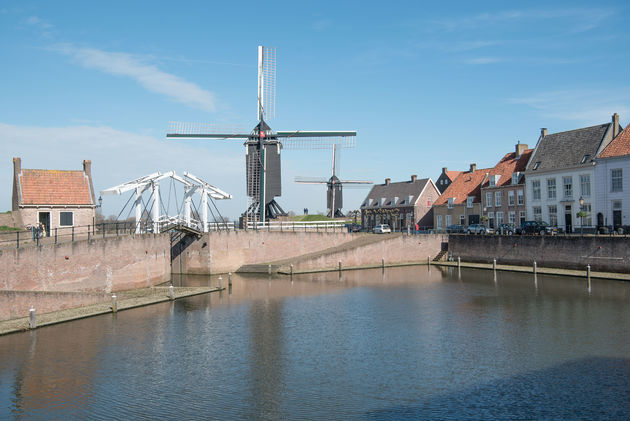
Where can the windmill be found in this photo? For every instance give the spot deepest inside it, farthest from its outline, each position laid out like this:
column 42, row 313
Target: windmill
column 263, row 145
column 334, row 194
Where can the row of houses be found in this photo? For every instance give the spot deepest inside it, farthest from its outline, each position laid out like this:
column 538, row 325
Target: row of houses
column 572, row 180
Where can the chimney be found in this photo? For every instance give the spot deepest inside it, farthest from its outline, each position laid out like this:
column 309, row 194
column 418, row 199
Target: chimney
column 444, row 169
column 615, row 124
column 17, row 169
column 520, row 148
column 414, row 177
column 543, row 132
column 87, row 169
column 387, row 180
column 473, row 167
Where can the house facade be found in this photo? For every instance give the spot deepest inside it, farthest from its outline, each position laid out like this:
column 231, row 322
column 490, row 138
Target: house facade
column 53, row 198
column 503, row 194
column 400, row 204
column 612, row 184
column 461, row 201
column 445, row 179
column 561, row 174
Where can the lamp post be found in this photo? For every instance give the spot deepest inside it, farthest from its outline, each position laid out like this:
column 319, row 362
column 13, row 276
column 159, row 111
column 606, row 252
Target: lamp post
column 581, row 216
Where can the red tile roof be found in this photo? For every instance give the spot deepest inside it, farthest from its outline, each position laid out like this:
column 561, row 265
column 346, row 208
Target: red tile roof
column 54, row 187
column 465, row 184
column 619, row 146
column 453, row 174
column 508, row 165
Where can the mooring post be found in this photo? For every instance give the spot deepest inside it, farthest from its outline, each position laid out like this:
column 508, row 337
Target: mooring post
column 32, row 320
column 429, row 260
column 230, row 278
column 459, row 262
column 534, row 267
column 114, row 303
column 171, row 292
column 291, row 270
column 494, row 265
column 340, row 266
column 269, row 270
column 220, row 282
column 383, row 262
column 588, row 272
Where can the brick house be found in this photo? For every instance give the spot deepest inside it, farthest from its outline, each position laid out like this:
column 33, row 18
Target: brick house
column 400, row 205
column 461, row 201
column 445, row 179
column 612, row 183
column 503, row 194
column 561, row 171
column 54, row 198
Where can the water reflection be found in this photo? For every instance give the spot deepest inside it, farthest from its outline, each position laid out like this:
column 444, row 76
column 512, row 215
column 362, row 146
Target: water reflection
column 409, row 342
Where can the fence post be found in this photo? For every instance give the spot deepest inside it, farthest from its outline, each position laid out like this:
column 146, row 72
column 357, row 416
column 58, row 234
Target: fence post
column 116, row 229
column 18, row 239
column 114, row 303
column 37, row 236
column 103, row 228
column 88, row 233
column 55, row 235
column 73, row 233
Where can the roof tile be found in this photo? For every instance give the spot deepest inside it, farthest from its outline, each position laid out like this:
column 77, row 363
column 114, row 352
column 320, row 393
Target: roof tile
column 619, row 146
column 54, row 187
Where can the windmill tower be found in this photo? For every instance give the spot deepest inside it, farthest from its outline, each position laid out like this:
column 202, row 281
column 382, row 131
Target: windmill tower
column 334, row 193
column 263, row 145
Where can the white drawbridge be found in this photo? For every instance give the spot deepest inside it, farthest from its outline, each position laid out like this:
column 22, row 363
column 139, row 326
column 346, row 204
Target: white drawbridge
column 158, row 214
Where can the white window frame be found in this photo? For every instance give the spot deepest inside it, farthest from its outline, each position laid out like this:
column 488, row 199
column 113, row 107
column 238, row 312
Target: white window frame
column 469, row 201
column 512, row 217
column 497, row 199
column 520, row 197
column 585, row 185
column 451, row 201
column 449, row 220
column 567, row 186
column 489, row 199
column 499, row 218
column 537, row 212
column 511, row 199
column 438, row 221
column 535, row 189
column 552, row 191
column 616, row 181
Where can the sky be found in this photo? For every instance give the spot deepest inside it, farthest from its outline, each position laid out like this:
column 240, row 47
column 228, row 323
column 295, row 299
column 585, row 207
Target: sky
column 426, row 85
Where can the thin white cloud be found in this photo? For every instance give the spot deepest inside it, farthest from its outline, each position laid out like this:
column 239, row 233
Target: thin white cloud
column 322, row 24
column 44, row 28
column 587, row 106
column 482, row 60
column 147, row 75
column 118, row 156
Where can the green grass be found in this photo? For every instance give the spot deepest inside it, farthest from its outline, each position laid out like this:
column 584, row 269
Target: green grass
column 5, row 228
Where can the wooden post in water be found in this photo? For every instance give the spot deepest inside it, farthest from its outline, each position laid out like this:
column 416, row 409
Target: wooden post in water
column 32, row 320
column 220, row 282
column 269, row 270
column 383, row 262
column 459, row 262
column 340, row 266
column 429, row 260
column 114, row 303
column 171, row 293
column 588, row 276
column 229, row 278
column 534, row 267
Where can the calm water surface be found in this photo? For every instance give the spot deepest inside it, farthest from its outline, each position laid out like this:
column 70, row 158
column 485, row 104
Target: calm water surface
column 406, row 343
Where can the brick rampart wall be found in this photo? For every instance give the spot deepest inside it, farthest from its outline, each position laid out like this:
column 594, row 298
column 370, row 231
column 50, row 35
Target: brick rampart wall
column 101, row 265
column 607, row 254
column 16, row 304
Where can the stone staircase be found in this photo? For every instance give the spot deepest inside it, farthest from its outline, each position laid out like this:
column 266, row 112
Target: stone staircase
column 441, row 256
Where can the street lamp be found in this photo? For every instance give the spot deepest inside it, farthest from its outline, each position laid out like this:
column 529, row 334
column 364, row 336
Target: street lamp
column 582, row 216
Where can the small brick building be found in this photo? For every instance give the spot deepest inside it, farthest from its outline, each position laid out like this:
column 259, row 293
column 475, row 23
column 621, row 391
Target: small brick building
column 54, row 198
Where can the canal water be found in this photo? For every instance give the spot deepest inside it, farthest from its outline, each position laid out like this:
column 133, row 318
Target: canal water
column 403, row 343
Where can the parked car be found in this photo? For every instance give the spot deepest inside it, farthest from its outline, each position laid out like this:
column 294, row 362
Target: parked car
column 478, row 229
column 535, row 227
column 382, row 229
column 505, row 229
column 353, row 227
column 455, row 228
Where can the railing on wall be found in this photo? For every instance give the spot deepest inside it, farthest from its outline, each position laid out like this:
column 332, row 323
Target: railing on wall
column 309, row 226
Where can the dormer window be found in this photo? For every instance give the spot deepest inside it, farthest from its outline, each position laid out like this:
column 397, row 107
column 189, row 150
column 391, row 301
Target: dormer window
column 367, row 203
column 494, row 179
column 516, row 177
column 536, row 165
column 382, row 202
column 409, row 199
column 451, row 200
column 469, row 201
column 586, row 157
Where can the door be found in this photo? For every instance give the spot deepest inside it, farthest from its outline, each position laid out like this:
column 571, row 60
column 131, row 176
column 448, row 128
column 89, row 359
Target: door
column 44, row 219
column 616, row 219
column 568, row 220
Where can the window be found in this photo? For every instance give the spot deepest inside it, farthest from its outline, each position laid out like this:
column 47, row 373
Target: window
column 492, row 181
column 438, row 221
column 497, row 199
column 450, row 202
column 428, row 202
column 586, row 157
column 511, row 198
column 551, row 188
column 616, row 180
column 521, row 217
column 536, row 165
column 469, row 202
column 499, row 218
column 462, row 219
column 516, row 177
column 588, row 221
column 537, row 213
column 585, row 185
column 512, row 217
column 536, row 189
column 383, row 201
column 616, row 204
column 66, row 219
column 521, row 198
column 567, row 184
column 489, row 199
column 491, row 219
column 553, row 215
column 449, row 220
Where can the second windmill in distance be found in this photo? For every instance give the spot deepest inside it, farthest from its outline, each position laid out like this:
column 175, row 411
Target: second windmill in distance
column 334, row 192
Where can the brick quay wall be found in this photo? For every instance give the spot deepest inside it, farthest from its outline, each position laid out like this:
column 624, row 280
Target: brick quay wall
column 603, row 253
column 99, row 265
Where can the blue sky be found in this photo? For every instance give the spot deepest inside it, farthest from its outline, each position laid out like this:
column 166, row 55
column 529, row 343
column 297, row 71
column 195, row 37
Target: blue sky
column 425, row 84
